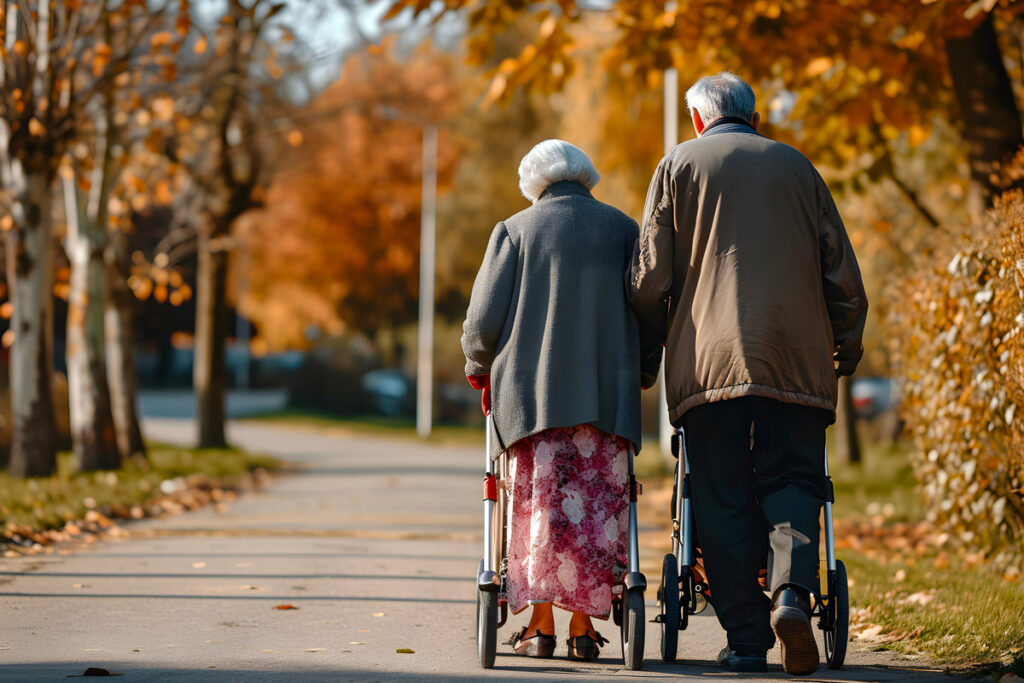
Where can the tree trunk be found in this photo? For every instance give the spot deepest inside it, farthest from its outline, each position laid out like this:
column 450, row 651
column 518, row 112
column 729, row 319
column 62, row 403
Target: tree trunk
column 30, row 280
column 847, row 441
column 121, row 375
column 209, row 371
column 992, row 126
column 92, row 426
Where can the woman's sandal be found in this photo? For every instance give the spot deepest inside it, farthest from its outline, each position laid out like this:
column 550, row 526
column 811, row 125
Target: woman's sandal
column 538, row 645
column 586, row 647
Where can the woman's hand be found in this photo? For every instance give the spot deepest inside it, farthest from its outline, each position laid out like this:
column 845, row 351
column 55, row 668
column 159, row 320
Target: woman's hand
column 482, row 382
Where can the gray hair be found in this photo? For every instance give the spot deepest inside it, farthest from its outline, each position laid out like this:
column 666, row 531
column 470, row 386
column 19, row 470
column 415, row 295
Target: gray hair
column 724, row 94
column 552, row 161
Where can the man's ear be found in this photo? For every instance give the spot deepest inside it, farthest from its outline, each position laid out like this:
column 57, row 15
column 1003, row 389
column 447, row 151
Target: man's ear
column 698, row 122
column 755, row 120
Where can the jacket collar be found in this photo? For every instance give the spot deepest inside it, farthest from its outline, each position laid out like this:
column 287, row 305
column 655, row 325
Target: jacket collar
column 729, row 124
column 563, row 188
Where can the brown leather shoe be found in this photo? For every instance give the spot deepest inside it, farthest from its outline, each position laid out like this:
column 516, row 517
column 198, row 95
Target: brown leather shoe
column 791, row 621
column 586, row 647
column 537, row 645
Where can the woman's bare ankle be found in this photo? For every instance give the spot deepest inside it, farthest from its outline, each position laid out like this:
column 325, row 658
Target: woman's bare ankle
column 542, row 619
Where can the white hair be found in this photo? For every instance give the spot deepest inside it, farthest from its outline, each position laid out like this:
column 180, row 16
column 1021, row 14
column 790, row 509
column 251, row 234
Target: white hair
column 550, row 162
column 724, row 94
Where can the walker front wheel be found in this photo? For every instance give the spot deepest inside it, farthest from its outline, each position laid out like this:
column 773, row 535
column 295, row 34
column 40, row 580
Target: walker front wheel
column 486, row 625
column 669, row 594
column 633, row 629
column 839, row 607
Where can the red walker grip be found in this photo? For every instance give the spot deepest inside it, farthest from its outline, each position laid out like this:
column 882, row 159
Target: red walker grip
column 490, row 487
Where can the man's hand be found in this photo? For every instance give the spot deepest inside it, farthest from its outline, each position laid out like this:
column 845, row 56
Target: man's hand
column 845, row 368
column 482, row 382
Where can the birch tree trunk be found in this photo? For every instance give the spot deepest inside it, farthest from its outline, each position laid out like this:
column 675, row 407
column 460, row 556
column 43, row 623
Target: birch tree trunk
column 209, row 369
column 30, row 281
column 121, row 376
column 92, row 425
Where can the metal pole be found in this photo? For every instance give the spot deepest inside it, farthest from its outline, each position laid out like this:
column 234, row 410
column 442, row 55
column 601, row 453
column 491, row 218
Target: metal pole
column 425, row 346
column 671, row 133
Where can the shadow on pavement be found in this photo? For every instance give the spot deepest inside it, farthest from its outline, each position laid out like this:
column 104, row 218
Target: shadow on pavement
column 278, row 598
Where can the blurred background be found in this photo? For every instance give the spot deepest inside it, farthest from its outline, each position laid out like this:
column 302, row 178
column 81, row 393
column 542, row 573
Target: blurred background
column 232, row 207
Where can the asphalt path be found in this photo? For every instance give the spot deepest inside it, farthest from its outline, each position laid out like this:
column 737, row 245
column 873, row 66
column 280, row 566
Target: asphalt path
column 373, row 542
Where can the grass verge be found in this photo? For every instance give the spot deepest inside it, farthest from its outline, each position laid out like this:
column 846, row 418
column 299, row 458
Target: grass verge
column 42, row 504
column 961, row 617
column 373, row 425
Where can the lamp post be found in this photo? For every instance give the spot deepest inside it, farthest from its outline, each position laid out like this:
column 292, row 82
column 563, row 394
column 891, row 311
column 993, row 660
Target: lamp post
column 428, row 247
column 671, row 138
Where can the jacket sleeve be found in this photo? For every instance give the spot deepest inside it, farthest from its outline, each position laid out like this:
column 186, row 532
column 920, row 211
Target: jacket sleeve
column 650, row 342
column 845, row 298
column 489, row 302
column 651, row 275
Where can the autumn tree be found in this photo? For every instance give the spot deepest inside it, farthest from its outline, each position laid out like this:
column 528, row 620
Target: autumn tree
column 844, row 80
column 56, row 61
column 227, row 90
column 337, row 244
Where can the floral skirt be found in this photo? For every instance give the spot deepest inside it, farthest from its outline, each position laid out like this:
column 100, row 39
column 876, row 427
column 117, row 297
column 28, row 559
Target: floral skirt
column 569, row 519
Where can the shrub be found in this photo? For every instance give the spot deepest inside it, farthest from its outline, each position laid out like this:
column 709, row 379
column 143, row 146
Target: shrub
column 956, row 340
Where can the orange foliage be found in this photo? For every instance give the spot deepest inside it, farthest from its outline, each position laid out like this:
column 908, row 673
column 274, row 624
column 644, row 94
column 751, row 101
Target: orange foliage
column 338, row 244
column 960, row 347
column 842, row 78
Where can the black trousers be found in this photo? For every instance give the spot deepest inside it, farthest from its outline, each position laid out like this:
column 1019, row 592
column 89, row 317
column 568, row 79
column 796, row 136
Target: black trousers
column 757, row 470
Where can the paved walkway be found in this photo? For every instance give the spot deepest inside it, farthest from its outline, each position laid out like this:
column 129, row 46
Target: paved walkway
column 375, row 542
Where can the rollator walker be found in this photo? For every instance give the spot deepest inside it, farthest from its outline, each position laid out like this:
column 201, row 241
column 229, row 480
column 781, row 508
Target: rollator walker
column 491, row 596
column 682, row 594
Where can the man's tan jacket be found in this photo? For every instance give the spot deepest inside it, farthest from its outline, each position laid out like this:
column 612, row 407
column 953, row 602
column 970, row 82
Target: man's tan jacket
column 744, row 265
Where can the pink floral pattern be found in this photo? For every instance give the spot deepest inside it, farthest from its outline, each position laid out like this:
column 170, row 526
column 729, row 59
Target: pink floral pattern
column 570, row 515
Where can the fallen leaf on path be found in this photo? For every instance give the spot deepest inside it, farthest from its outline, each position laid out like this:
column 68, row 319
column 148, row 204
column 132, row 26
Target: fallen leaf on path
column 405, row 651
column 356, row 642
column 364, row 630
column 79, row 585
column 248, row 588
column 314, row 649
column 286, row 607
column 378, row 614
column 870, row 632
column 198, row 565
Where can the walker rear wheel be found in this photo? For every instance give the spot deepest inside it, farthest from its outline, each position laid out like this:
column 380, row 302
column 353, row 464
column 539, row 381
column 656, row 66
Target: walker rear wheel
column 486, row 625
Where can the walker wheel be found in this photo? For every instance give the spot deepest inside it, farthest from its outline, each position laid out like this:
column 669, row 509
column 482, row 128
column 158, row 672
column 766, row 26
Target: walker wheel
column 486, row 625
column 633, row 629
column 669, row 592
column 839, row 613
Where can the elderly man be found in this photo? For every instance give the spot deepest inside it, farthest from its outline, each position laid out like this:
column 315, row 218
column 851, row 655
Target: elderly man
column 745, row 267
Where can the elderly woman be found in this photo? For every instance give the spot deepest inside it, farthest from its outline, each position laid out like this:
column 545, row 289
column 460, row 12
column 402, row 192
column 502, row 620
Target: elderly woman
column 552, row 342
